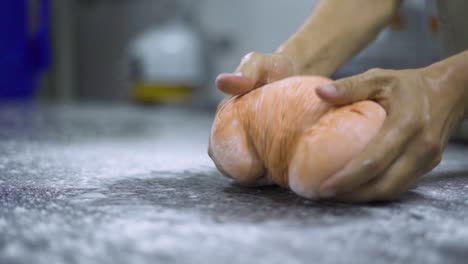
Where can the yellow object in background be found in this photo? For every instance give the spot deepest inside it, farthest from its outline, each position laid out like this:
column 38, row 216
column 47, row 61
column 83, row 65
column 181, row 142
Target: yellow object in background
column 147, row 92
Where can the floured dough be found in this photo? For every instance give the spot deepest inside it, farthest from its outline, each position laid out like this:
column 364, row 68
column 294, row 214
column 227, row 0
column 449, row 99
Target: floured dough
column 282, row 133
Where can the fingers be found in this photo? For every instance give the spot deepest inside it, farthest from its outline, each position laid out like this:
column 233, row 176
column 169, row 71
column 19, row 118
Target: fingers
column 396, row 181
column 248, row 73
column 234, row 84
column 373, row 161
column 352, row 89
column 400, row 176
column 255, row 70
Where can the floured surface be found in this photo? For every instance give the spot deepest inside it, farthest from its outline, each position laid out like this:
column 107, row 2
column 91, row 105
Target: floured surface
column 90, row 184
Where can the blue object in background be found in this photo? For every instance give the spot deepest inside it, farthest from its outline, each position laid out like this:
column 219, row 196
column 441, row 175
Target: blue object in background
column 24, row 52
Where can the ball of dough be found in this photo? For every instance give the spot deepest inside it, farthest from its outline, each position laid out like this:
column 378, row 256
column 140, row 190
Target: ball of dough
column 282, row 133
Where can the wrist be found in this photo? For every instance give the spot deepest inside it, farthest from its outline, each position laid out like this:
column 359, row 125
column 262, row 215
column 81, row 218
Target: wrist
column 451, row 78
column 307, row 60
column 289, row 51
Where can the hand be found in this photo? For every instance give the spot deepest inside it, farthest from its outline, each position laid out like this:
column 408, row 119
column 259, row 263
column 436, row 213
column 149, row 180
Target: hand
column 255, row 70
column 422, row 107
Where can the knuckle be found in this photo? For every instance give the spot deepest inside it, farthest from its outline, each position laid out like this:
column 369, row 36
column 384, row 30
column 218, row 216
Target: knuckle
column 370, row 165
column 349, row 85
column 380, row 74
column 252, row 56
column 385, row 79
column 432, row 147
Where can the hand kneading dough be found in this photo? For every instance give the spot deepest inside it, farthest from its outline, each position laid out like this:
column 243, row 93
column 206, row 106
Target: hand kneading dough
column 283, row 133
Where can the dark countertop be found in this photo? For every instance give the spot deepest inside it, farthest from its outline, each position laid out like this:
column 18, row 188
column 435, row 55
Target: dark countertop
column 122, row 184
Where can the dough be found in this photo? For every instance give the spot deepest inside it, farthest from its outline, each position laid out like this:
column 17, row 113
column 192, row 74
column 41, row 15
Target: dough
column 282, row 133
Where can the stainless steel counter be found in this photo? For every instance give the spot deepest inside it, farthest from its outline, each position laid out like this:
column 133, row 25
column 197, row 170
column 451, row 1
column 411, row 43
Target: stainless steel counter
column 122, row 184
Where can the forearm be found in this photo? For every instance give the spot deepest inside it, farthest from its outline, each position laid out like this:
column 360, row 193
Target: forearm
column 335, row 32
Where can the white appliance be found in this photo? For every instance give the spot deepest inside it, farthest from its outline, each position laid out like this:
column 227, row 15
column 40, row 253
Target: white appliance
column 167, row 63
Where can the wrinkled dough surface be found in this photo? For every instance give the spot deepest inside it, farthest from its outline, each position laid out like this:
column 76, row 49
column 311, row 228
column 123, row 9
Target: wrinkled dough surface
column 283, row 133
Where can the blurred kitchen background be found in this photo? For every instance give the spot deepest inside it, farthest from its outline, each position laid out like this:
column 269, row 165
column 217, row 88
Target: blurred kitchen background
column 170, row 51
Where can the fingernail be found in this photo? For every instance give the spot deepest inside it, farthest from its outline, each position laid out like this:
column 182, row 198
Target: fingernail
column 328, row 88
column 329, row 193
column 238, row 74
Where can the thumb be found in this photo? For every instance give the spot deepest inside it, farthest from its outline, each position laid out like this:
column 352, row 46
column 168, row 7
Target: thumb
column 346, row 91
column 248, row 75
column 234, row 83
